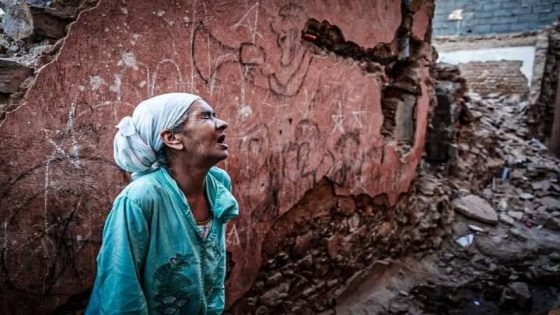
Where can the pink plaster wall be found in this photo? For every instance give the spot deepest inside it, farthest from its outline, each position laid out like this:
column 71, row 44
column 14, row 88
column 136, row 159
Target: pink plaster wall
column 295, row 118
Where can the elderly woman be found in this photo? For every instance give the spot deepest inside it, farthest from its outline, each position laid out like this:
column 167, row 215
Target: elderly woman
column 163, row 249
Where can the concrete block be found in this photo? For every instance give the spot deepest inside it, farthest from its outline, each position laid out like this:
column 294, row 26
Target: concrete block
column 502, row 12
column 505, row 20
column 481, row 29
column 528, row 26
column 491, row 6
column 544, row 8
column 484, row 14
column 549, row 17
column 519, row 11
column 509, row 4
column 527, row 18
column 500, row 28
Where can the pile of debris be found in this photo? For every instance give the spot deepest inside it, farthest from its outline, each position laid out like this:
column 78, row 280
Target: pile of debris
column 31, row 34
column 522, row 180
column 503, row 256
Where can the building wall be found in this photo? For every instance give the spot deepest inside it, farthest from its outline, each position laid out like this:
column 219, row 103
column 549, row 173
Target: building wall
column 543, row 96
column 503, row 77
column 325, row 135
column 494, row 17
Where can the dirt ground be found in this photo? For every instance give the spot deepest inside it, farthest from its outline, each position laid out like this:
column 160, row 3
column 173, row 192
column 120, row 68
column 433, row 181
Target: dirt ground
column 503, row 256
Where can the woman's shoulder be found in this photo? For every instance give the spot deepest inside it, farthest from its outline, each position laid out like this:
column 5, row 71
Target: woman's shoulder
column 221, row 176
column 144, row 189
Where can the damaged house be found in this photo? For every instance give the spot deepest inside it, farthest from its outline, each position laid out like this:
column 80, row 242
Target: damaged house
column 370, row 179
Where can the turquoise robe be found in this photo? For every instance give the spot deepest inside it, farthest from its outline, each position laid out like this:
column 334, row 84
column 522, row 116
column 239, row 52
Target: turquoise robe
column 153, row 259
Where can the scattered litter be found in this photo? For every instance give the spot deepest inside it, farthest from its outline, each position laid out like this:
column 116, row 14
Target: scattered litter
column 476, row 228
column 466, row 240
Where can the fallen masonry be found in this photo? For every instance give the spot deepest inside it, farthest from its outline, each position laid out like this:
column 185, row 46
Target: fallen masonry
column 503, row 254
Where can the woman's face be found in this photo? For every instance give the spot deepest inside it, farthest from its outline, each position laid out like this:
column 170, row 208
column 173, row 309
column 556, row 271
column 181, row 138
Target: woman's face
column 203, row 135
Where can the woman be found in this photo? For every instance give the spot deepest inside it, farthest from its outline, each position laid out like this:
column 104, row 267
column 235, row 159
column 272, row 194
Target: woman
column 163, row 249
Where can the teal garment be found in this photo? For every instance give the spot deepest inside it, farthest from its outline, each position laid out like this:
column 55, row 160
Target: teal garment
column 153, row 259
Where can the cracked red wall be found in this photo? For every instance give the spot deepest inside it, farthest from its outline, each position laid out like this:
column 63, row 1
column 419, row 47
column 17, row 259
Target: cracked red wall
column 295, row 118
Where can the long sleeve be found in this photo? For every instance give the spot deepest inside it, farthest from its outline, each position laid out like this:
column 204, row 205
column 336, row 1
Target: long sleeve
column 217, row 300
column 117, row 288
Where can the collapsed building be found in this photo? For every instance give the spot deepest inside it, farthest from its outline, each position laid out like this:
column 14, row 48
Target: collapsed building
column 506, row 48
column 328, row 106
column 332, row 107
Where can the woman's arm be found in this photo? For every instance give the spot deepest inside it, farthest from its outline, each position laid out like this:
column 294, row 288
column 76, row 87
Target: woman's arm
column 117, row 288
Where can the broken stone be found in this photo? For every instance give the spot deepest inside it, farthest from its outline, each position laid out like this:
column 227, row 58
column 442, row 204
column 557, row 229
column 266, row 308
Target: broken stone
column 542, row 185
column 275, row 295
column 550, row 203
column 552, row 224
column 17, row 23
column 526, row 196
column 333, row 245
column 403, row 293
column 346, row 206
column 262, row 310
column 353, row 223
column 506, row 219
column 476, row 208
column 517, row 293
column 428, row 186
column 476, row 228
column 47, row 25
column 502, row 205
column 302, row 243
column 517, row 215
column 12, row 75
column 518, row 233
column 275, row 278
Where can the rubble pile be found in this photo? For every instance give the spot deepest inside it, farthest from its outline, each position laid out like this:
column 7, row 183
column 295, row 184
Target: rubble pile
column 311, row 261
column 520, row 177
column 504, row 255
column 30, row 37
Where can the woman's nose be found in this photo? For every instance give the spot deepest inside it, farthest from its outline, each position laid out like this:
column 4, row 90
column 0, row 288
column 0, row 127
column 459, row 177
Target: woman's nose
column 220, row 124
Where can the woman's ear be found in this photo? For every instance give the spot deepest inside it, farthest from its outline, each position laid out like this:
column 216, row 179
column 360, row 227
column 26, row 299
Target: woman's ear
column 171, row 140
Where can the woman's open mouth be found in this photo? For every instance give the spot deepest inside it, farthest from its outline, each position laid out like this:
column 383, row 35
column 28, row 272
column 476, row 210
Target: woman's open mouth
column 221, row 141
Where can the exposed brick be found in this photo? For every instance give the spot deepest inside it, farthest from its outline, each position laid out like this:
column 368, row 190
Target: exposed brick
column 485, row 14
column 505, row 20
column 481, row 29
column 503, row 13
column 502, row 77
column 542, row 9
column 509, row 5
column 491, row 6
column 500, row 28
column 548, row 17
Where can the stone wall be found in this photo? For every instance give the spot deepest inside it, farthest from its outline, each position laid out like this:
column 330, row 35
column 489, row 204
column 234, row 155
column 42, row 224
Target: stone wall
column 543, row 95
column 466, row 17
column 502, row 77
column 32, row 33
column 328, row 108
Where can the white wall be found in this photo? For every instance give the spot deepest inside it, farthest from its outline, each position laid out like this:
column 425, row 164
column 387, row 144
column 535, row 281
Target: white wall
column 526, row 54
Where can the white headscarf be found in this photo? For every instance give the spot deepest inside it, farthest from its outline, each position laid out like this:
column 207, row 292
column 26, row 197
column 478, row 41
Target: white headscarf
column 138, row 140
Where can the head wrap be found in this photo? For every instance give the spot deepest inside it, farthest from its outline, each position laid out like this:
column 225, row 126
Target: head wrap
column 138, row 140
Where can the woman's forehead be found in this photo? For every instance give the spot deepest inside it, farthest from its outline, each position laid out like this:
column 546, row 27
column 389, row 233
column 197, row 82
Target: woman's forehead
column 200, row 105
